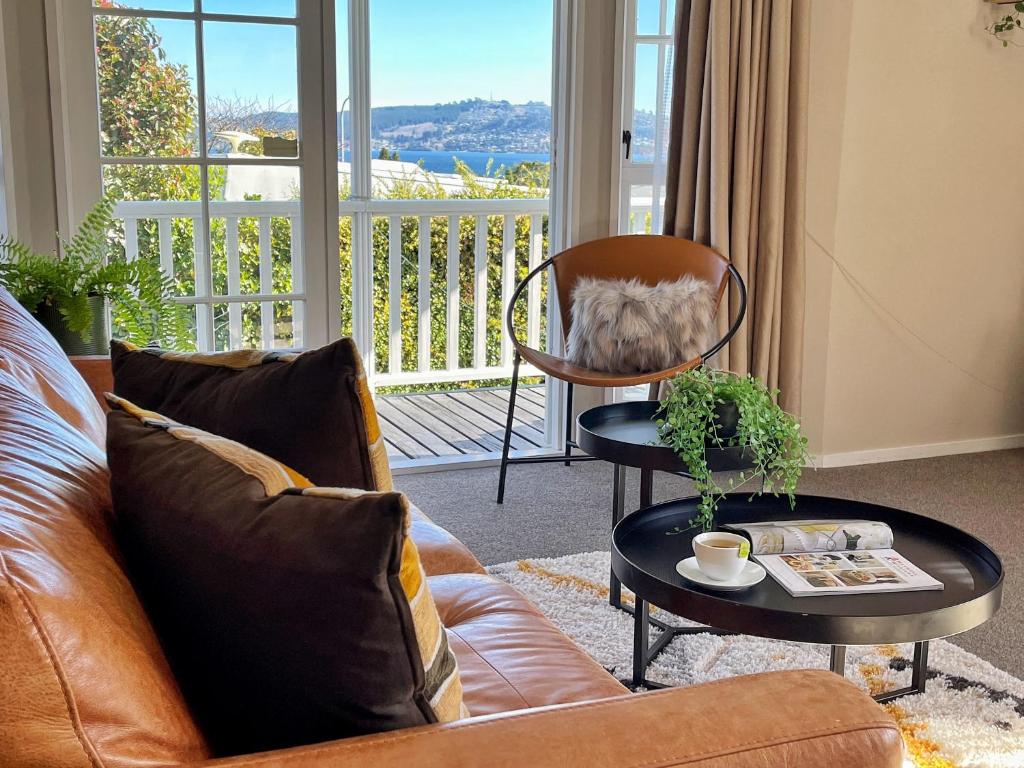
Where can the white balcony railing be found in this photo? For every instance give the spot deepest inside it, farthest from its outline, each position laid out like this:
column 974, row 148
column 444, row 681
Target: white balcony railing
column 230, row 212
column 394, row 211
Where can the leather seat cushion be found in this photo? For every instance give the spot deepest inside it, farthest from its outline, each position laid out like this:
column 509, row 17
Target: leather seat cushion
column 510, row 656
column 31, row 355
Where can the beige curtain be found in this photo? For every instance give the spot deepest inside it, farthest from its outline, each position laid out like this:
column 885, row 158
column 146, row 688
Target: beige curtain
column 736, row 161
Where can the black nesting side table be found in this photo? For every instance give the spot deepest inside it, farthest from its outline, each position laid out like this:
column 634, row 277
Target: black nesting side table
column 625, row 435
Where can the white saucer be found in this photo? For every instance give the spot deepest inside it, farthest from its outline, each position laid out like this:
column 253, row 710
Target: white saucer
column 751, row 574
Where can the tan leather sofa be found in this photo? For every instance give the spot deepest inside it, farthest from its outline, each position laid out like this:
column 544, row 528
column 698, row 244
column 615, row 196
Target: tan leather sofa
column 84, row 684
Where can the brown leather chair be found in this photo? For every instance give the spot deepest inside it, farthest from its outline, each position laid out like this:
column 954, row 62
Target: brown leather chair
column 652, row 259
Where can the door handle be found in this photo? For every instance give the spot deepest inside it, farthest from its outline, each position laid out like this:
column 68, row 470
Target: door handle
column 627, row 139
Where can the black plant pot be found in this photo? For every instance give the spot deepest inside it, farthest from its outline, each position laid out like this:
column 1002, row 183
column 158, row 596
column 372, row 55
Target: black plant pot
column 727, row 458
column 727, row 419
column 93, row 341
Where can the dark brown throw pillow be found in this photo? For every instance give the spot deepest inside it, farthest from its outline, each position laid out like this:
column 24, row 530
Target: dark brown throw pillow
column 290, row 614
column 310, row 410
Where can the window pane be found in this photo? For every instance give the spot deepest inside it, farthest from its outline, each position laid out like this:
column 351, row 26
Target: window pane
column 145, row 70
column 445, row 115
column 645, row 100
column 149, row 5
column 639, row 211
column 157, row 217
column 251, row 89
column 344, row 102
column 648, row 16
column 652, row 89
column 345, row 274
column 284, row 8
column 255, row 245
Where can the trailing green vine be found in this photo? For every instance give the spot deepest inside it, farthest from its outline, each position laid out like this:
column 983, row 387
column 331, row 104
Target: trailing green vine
column 1006, row 27
column 687, row 422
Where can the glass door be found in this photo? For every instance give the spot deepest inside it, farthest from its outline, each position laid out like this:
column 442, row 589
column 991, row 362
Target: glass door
column 305, row 169
column 645, row 84
column 646, row 89
column 202, row 143
column 444, row 117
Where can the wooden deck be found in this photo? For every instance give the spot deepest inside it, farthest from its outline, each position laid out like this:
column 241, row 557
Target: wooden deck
column 445, row 426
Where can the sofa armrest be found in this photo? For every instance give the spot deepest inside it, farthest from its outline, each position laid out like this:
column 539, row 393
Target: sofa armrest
column 98, row 375
column 776, row 719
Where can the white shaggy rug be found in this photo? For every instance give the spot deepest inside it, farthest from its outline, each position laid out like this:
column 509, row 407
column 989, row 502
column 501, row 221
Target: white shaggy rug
column 971, row 715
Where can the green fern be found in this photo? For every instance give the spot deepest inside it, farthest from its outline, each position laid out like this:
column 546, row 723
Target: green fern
column 138, row 291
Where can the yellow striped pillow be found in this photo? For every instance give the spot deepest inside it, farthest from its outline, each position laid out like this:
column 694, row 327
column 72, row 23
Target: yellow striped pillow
column 441, row 686
column 379, row 464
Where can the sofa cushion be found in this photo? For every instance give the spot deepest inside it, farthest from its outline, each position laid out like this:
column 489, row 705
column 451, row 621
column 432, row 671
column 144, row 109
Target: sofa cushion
column 34, row 359
column 312, row 411
column 83, row 680
column 510, row 655
column 292, row 614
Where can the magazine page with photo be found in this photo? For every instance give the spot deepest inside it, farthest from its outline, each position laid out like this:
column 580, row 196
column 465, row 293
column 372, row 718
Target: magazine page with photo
column 852, row 572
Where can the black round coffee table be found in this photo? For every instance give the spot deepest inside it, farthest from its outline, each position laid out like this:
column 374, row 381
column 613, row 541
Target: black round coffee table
column 646, row 546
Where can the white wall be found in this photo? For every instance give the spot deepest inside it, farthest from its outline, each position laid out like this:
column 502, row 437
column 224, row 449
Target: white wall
column 916, row 186
column 3, row 177
column 28, row 155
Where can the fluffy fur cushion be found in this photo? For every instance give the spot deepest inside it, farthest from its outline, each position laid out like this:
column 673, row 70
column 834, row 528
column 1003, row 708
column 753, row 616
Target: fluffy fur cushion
column 627, row 326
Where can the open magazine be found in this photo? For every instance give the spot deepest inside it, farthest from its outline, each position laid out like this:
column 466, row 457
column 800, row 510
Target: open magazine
column 822, row 557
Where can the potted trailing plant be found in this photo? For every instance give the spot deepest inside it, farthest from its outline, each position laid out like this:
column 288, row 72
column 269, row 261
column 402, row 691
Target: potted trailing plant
column 68, row 291
column 707, row 410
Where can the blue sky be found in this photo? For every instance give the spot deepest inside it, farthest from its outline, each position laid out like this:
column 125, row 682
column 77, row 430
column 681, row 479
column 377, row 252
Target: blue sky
column 420, row 52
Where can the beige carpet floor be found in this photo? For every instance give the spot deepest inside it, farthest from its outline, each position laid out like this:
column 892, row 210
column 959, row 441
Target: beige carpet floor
column 551, row 510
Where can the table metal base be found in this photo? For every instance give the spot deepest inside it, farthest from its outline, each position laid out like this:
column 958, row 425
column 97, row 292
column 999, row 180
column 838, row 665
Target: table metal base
column 618, row 509
column 918, row 675
column 644, row 653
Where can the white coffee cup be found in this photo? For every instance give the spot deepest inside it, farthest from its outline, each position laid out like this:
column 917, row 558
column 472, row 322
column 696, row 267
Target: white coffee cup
column 721, row 556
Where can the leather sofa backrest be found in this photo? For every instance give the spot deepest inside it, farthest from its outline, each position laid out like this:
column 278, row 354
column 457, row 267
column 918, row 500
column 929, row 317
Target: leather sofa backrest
column 83, row 680
column 32, row 356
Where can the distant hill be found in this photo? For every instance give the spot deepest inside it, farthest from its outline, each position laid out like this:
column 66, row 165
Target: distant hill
column 473, row 125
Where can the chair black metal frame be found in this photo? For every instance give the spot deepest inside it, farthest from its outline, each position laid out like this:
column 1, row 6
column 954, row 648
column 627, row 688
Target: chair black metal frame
column 567, row 457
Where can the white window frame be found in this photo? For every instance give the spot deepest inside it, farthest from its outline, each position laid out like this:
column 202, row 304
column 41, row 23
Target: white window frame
column 625, row 171
column 78, row 159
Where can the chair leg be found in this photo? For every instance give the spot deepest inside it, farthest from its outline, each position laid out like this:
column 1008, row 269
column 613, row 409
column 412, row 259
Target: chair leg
column 568, row 422
column 508, row 429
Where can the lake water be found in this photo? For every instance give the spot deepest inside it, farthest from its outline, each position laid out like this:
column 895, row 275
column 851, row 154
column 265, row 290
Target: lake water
column 440, row 161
